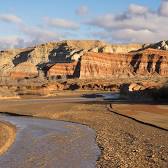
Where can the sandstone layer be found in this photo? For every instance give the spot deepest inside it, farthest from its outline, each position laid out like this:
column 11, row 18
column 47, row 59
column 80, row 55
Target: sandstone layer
column 150, row 62
column 64, row 69
column 96, row 65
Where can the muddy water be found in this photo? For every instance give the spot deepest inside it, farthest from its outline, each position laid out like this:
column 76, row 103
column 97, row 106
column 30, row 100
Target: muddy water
column 42, row 143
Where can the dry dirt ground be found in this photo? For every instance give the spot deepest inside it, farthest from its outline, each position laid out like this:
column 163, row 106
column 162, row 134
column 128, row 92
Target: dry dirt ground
column 123, row 141
column 154, row 114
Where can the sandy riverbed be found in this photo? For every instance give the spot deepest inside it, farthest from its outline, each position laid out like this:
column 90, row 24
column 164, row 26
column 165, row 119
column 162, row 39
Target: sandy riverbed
column 7, row 136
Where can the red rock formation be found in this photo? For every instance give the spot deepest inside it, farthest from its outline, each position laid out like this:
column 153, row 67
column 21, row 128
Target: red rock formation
column 101, row 65
column 145, row 63
column 62, row 69
column 150, row 62
column 96, row 65
column 21, row 75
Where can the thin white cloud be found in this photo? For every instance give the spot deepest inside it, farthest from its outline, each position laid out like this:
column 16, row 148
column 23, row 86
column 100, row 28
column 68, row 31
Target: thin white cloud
column 137, row 9
column 134, row 35
column 82, row 10
column 11, row 42
column 39, row 33
column 137, row 24
column 31, row 35
column 10, row 18
column 164, row 8
column 61, row 23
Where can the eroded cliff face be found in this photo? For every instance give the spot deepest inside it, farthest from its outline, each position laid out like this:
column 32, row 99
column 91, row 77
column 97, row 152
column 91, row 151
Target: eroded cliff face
column 6, row 63
column 62, row 70
column 84, row 60
column 150, row 62
column 97, row 65
column 24, row 70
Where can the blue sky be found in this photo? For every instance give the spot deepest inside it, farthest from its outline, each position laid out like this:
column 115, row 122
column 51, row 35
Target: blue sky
column 24, row 23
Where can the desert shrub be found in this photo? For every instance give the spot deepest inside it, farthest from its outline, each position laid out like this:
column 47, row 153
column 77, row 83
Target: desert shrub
column 161, row 93
column 74, row 86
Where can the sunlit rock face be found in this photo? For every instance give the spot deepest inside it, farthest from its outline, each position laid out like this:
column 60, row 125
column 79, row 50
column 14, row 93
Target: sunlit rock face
column 62, row 69
column 150, row 62
column 99, row 65
column 25, row 69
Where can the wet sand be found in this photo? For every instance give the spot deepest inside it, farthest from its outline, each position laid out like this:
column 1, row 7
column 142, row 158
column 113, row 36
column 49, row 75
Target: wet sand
column 48, row 143
column 124, row 142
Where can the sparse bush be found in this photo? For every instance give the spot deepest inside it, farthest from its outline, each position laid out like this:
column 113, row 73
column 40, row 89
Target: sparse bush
column 161, row 93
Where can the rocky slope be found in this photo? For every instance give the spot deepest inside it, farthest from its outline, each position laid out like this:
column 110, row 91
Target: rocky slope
column 6, row 93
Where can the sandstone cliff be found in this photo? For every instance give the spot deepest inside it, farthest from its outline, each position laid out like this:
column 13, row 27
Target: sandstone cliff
column 85, row 59
column 150, row 62
column 62, row 69
column 97, row 65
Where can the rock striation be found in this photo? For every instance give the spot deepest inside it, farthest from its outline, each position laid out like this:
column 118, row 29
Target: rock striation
column 59, row 70
column 149, row 62
column 99, row 65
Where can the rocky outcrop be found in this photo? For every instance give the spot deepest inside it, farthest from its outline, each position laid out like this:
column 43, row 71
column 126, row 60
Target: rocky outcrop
column 150, row 62
column 120, row 48
column 6, row 63
column 143, row 91
column 162, row 45
column 6, row 93
column 59, row 70
column 24, row 70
